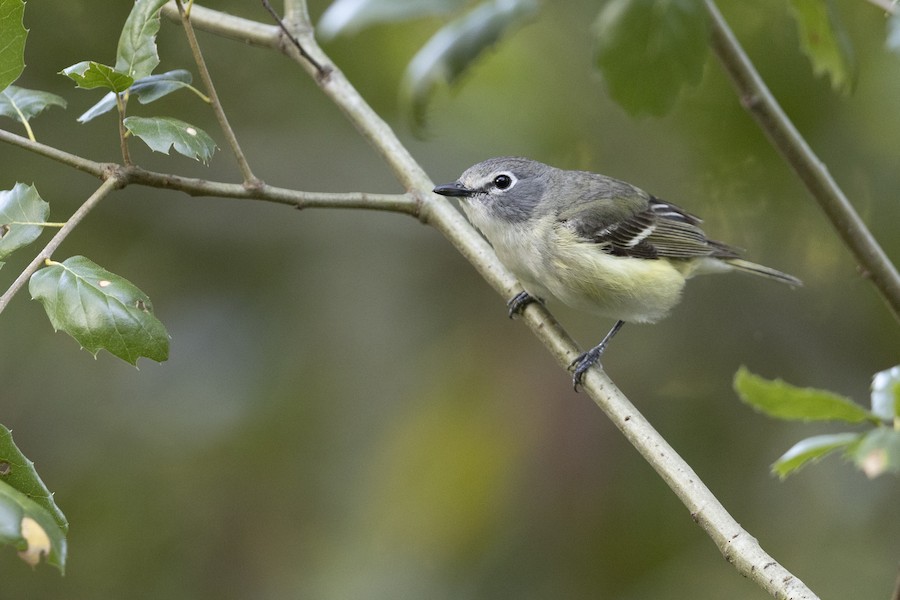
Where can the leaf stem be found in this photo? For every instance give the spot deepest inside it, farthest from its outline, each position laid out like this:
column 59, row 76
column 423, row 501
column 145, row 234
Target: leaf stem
column 105, row 188
column 761, row 104
column 121, row 102
column 249, row 178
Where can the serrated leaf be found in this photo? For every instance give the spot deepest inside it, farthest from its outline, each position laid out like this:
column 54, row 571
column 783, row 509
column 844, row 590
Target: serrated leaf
column 161, row 133
column 347, row 17
column 12, row 41
column 824, row 41
column 648, row 50
column 784, row 401
column 30, row 103
column 136, row 55
column 89, row 75
column 878, row 452
column 17, row 471
column 30, row 520
column 812, row 449
column 886, row 394
column 100, row 309
column 455, row 47
column 18, row 206
column 146, row 90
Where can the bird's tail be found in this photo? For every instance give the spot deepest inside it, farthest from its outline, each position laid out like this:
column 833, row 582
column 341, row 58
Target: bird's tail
column 750, row 267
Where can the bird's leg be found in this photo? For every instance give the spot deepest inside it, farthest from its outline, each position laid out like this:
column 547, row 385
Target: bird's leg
column 590, row 358
column 518, row 303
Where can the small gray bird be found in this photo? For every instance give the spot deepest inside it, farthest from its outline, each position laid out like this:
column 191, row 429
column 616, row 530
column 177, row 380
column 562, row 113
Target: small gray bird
column 593, row 242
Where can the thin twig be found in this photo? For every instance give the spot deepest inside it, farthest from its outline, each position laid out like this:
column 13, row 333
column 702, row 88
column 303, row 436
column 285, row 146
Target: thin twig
column 250, row 179
column 400, row 203
column 123, row 133
column 105, row 188
column 318, row 67
column 760, row 103
column 82, row 164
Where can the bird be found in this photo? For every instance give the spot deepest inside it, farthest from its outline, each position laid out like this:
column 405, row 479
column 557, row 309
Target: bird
column 590, row 241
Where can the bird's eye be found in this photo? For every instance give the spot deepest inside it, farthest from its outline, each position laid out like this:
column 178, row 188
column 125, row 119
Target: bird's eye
column 502, row 182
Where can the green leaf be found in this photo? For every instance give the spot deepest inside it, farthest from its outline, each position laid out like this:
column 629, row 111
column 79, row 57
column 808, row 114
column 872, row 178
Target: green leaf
column 886, row 394
column 136, row 55
column 100, row 310
column 648, row 50
column 23, row 494
column 89, row 75
column 812, row 449
column 878, row 451
column 16, row 102
column 347, row 17
column 16, row 470
column 784, row 401
column 161, row 133
column 825, row 42
column 455, row 47
column 12, row 46
column 146, row 90
column 19, row 206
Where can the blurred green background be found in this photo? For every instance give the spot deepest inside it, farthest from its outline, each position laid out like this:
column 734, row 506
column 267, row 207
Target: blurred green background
column 348, row 413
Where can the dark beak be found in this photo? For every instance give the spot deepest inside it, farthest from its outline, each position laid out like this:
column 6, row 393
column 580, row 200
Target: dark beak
column 455, row 189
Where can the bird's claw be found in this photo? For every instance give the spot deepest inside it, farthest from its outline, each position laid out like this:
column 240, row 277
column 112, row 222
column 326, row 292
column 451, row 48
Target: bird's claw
column 518, row 303
column 585, row 361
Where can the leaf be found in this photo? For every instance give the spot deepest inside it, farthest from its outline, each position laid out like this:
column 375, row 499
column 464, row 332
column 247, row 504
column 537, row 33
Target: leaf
column 100, row 310
column 812, row 449
column 886, row 394
column 648, row 50
column 17, row 471
column 30, row 103
column 30, row 520
column 89, row 75
column 347, row 17
column 784, row 401
column 12, row 41
column 22, row 204
column 136, row 55
column 878, row 451
column 146, row 90
column 456, row 46
column 825, row 42
column 161, row 133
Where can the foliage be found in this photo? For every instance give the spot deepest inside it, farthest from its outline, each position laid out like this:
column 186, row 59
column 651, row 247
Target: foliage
column 874, row 451
column 640, row 45
column 646, row 50
column 30, row 520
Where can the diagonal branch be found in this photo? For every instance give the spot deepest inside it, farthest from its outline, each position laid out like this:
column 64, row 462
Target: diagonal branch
column 738, row 546
column 250, row 179
column 105, row 188
column 759, row 102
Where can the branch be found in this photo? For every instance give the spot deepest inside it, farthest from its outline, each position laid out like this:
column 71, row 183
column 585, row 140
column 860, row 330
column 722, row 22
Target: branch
column 105, row 188
column 738, row 546
column 760, row 103
column 401, row 203
column 250, row 180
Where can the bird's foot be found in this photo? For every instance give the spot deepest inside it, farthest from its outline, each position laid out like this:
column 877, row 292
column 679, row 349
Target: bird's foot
column 585, row 361
column 518, row 303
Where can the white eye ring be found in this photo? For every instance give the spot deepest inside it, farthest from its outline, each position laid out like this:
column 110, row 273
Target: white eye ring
column 503, row 181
